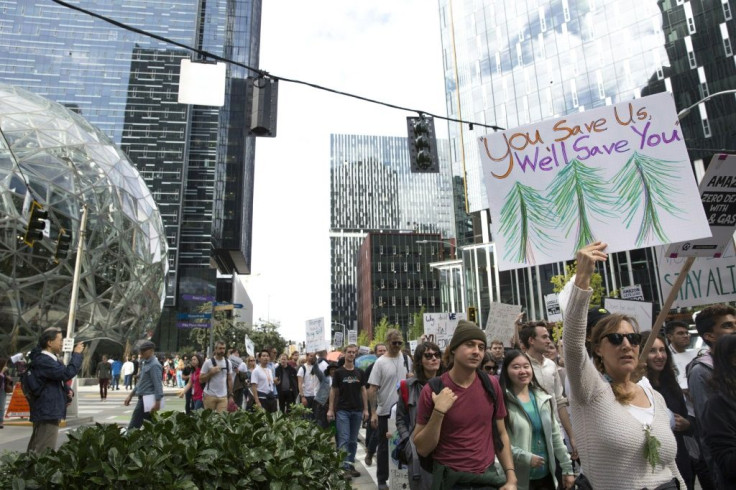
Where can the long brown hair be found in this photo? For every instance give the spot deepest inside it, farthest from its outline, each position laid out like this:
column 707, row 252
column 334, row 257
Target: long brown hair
column 609, row 324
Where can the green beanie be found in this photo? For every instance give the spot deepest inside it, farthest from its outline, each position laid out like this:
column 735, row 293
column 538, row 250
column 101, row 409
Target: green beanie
column 466, row 331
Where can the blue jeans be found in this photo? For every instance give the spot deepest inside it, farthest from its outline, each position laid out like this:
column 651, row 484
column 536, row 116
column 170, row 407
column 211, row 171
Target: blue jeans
column 136, row 420
column 348, row 426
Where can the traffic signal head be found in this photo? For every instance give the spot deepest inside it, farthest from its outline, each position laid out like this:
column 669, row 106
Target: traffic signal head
column 422, row 145
column 36, row 223
column 472, row 314
column 62, row 245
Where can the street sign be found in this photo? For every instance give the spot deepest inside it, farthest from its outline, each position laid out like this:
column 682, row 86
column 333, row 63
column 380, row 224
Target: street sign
column 194, row 297
column 192, row 325
column 227, row 303
column 221, row 307
column 193, row 316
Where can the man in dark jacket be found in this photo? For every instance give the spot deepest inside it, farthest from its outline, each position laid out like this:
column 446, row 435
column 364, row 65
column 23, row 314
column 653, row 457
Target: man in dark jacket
column 50, row 406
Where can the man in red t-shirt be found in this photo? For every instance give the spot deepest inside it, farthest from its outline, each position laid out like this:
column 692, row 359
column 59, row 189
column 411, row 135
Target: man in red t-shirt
column 455, row 424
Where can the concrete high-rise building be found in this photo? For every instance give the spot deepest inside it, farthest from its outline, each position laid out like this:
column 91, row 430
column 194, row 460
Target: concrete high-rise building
column 509, row 63
column 373, row 190
column 196, row 160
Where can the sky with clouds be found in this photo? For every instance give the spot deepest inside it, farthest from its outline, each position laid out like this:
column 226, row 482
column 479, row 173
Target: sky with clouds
column 385, row 50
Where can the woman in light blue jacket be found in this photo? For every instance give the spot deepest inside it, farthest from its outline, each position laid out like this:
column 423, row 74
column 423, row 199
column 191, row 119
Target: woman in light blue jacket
column 534, row 433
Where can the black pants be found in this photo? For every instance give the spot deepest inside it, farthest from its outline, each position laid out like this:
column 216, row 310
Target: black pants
column 546, row 483
column 382, row 452
column 286, row 398
column 268, row 404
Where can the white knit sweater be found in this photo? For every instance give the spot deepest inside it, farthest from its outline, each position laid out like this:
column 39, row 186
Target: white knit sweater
column 609, row 439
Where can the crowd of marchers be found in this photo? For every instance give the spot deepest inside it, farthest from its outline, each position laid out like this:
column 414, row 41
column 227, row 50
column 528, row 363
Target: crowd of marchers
column 589, row 411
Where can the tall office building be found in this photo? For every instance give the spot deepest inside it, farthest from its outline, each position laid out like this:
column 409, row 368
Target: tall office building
column 373, row 190
column 509, row 63
column 196, row 160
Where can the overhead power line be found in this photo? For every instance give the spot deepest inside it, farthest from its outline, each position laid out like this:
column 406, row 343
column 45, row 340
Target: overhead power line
column 265, row 74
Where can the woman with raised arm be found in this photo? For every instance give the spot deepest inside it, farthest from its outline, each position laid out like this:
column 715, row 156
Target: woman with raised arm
column 622, row 428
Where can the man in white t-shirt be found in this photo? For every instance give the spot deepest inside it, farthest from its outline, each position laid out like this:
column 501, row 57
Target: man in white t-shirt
column 262, row 383
column 387, row 371
column 218, row 381
column 127, row 372
column 308, row 381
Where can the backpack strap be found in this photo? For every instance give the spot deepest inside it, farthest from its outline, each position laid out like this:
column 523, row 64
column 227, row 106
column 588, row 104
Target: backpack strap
column 404, row 392
column 406, row 362
column 436, row 384
column 485, row 380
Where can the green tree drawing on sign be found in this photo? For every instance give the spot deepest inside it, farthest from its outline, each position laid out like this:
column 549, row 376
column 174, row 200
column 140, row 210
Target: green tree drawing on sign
column 524, row 216
column 649, row 183
column 578, row 195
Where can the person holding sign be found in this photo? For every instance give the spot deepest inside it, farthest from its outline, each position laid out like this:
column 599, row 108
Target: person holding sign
column 622, row 428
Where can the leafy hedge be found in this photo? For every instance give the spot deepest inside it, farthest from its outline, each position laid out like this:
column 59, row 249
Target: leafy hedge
column 204, row 450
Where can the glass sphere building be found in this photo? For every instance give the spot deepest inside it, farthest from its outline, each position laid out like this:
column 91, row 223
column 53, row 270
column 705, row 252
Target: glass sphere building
column 53, row 157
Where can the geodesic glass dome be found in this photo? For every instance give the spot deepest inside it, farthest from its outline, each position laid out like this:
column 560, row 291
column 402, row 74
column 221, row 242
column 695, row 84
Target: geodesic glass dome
column 54, row 157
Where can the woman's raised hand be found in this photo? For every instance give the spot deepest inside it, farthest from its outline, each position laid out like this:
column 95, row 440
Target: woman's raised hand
column 586, row 258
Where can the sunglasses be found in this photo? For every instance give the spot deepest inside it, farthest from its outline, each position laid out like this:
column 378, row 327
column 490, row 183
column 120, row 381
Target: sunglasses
column 618, row 338
column 489, row 368
column 430, row 355
column 397, row 343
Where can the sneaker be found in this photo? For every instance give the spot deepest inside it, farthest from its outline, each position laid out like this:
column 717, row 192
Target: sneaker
column 346, row 474
column 354, row 473
column 368, row 459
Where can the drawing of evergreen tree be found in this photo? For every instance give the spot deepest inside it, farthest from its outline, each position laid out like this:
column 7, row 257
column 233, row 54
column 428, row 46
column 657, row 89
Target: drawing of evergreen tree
column 579, row 194
column 649, row 183
column 524, row 217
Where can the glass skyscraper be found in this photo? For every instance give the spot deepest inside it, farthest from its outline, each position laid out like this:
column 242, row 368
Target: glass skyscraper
column 196, row 160
column 509, row 63
column 373, row 190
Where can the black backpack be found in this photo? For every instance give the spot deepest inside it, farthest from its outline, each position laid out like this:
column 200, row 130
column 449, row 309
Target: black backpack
column 427, row 462
column 30, row 384
column 214, row 363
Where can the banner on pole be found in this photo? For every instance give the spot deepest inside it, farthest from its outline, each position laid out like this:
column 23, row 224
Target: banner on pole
column 608, row 174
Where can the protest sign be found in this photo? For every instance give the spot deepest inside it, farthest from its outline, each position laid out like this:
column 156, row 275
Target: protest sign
column 338, row 339
column 352, row 336
column 708, row 281
column 315, row 335
column 632, row 292
column 439, row 327
column 501, row 324
column 412, row 346
column 641, row 311
column 552, row 303
column 608, row 174
column 718, row 195
column 250, row 348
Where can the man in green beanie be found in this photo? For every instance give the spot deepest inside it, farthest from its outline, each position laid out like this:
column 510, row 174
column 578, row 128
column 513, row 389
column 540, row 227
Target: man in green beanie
column 455, row 426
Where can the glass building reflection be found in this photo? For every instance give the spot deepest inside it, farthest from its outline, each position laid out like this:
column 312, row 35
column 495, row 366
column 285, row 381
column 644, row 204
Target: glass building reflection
column 195, row 159
column 509, row 63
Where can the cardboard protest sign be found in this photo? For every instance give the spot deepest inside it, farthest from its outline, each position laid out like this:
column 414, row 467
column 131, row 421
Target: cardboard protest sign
column 501, row 324
column 640, row 310
column 607, row 174
column 352, row 336
column 439, row 327
column 718, row 195
column 708, row 281
column 632, row 292
column 315, row 335
column 552, row 304
column 250, row 348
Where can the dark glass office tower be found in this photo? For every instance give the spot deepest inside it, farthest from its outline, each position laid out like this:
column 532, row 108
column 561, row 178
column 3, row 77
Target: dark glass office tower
column 196, row 160
column 373, row 190
column 509, row 63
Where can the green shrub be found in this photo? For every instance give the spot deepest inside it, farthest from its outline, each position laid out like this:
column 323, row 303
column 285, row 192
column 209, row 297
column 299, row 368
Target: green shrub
column 204, row 450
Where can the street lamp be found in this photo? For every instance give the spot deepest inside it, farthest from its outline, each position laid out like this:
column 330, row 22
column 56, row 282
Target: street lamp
column 443, row 242
column 687, row 110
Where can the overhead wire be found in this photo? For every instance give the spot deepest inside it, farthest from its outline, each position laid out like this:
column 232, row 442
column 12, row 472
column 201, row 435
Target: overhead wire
column 265, row 74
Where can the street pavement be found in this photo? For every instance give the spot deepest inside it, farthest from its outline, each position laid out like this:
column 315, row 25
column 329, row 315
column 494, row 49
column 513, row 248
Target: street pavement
column 91, row 410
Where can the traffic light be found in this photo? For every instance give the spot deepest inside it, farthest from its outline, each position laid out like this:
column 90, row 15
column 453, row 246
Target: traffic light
column 472, row 314
column 62, row 245
column 422, row 145
column 36, row 224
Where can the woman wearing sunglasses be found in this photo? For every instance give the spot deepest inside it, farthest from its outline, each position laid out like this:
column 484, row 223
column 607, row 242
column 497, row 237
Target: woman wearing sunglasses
column 427, row 364
column 622, row 427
